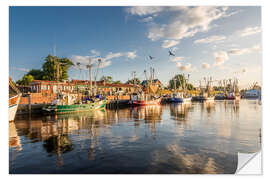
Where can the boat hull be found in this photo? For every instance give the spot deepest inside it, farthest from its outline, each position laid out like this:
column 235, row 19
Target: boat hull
column 233, row 98
column 187, row 99
column 13, row 106
column 145, row 103
column 60, row 109
column 176, row 100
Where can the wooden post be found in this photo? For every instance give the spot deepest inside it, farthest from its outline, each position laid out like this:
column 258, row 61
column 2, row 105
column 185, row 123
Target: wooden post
column 29, row 103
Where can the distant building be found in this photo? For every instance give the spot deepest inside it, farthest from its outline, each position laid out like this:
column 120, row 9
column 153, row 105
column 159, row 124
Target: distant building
column 103, row 87
column 51, row 87
column 154, row 82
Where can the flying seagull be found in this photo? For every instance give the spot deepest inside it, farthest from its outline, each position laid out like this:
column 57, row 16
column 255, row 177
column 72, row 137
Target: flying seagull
column 151, row 57
column 171, row 54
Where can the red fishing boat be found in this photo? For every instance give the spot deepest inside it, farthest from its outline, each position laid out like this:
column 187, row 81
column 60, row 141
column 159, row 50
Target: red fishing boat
column 155, row 101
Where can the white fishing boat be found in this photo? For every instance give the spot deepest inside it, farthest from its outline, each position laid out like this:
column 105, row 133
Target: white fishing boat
column 14, row 100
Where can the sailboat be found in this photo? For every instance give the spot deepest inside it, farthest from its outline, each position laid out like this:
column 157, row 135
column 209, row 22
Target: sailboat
column 69, row 103
column 14, row 100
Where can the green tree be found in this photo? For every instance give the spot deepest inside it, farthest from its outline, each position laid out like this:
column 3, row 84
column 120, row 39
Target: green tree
column 25, row 80
column 190, row 87
column 117, row 82
column 36, row 73
column 107, row 79
column 180, row 81
column 50, row 68
column 131, row 81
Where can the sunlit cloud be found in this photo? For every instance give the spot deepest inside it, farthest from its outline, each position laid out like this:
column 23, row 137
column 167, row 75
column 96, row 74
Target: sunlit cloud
column 169, row 43
column 210, row 39
column 21, row 69
column 106, row 61
column 250, row 31
column 131, row 55
column 237, row 51
column 147, row 19
column 95, row 52
column 187, row 67
column 205, row 66
column 184, row 22
column 178, row 58
column 220, row 57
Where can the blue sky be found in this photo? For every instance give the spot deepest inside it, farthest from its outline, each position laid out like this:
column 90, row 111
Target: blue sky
column 223, row 42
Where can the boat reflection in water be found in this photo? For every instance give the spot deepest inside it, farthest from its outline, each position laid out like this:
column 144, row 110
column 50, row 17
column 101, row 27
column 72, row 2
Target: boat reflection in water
column 175, row 138
column 180, row 111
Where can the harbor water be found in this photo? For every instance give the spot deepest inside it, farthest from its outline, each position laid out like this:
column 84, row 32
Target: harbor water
column 172, row 138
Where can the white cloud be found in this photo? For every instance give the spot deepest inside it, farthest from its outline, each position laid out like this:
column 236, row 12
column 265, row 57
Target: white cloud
column 178, row 58
column 106, row 61
column 184, row 21
column 84, row 60
column 22, row 69
column 250, row 31
column 147, row 19
column 144, row 10
column 237, row 51
column 210, row 39
column 95, row 52
column 220, row 57
column 187, row 67
column 113, row 55
column 169, row 43
column 205, row 66
column 131, row 55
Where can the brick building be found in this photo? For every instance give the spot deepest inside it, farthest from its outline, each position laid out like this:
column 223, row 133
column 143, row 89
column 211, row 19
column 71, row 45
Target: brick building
column 51, row 87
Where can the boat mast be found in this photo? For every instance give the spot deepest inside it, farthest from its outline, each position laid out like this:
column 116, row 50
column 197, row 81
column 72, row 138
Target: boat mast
column 174, row 85
column 99, row 62
column 89, row 66
column 134, row 76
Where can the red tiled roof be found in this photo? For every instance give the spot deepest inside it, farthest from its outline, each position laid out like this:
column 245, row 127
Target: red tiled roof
column 85, row 82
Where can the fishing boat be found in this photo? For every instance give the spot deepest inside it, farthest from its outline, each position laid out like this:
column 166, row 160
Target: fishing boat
column 70, row 103
column 234, row 90
column 71, row 108
column 145, row 102
column 220, row 96
column 148, row 95
column 176, row 98
column 183, row 96
column 14, row 100
column 206, row 94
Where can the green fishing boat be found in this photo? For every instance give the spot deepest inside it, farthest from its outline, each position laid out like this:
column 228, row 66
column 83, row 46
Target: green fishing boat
column 59, row 109
column 71, row 103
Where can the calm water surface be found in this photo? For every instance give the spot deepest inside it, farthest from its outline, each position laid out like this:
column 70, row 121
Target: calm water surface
column 173, row 138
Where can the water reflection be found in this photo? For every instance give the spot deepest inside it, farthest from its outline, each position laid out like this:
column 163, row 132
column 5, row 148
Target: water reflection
column 175, row 138
column 179, row 111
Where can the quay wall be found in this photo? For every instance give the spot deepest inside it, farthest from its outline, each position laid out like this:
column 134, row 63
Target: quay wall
column 38, row 98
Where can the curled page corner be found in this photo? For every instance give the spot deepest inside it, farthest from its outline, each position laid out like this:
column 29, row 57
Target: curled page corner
column 249, row 163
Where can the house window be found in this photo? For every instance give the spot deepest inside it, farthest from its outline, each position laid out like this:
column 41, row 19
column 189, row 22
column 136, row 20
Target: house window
column 43, row 87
